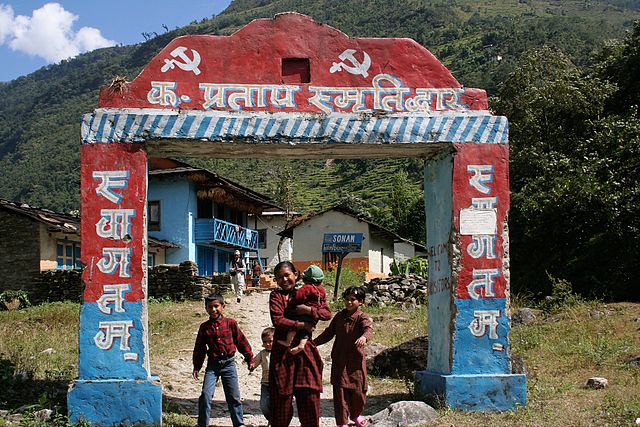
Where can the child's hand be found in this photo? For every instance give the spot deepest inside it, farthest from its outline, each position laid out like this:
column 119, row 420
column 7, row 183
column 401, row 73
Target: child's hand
column 195, row 375
column 251, row 366
column 302, row 309
column 310, row 327
column 360, row 342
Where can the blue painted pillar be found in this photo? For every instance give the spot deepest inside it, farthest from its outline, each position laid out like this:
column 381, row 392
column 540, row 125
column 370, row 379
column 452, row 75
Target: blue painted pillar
column 467, row 202
column 114, row 385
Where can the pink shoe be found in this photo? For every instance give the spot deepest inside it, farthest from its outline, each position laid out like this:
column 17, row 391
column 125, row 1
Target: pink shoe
column 361, row 421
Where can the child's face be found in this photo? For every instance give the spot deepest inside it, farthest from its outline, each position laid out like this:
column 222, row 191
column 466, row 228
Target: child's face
column 351, row 303
column 286, row 278
column 267, row 342
column 214, row 308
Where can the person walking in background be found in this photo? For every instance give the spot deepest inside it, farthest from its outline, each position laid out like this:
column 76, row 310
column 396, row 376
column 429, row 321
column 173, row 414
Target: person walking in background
column 293, row 375
column 218, row 338
column 352, row 329
column 262, row 360
column 256, row 271
column 237, row 275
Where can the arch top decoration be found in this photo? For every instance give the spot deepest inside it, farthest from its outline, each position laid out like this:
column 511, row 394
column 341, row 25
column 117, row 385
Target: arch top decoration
column 290, row 80
column 290, row 87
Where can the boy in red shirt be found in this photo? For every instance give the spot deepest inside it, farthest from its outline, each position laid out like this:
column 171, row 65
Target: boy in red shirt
column 218, row 338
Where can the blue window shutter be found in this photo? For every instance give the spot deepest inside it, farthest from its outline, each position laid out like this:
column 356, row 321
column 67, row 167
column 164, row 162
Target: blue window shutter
column 76, row 256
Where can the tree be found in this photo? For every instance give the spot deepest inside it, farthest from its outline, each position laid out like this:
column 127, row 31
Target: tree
column 283, row 193
column 574, row 160
column 404, row 211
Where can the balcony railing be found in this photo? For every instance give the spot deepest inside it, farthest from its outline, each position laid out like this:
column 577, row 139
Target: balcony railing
column 226, row 233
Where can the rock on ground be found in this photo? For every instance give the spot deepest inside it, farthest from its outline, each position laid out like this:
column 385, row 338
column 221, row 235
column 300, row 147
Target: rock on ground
column 597, row 383
column 404, row 414
column 401, row 361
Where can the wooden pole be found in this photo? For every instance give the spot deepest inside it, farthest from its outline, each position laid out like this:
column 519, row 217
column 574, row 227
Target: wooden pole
column 341, row 256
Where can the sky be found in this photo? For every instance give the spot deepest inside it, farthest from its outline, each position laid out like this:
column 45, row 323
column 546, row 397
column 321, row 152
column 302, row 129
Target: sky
column 37, row 33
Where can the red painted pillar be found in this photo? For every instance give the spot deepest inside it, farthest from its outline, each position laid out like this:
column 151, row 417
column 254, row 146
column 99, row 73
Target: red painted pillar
column 467, row 203
column 114, row 385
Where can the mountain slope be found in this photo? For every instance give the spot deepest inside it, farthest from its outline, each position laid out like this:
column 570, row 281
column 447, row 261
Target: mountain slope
column 478, row 40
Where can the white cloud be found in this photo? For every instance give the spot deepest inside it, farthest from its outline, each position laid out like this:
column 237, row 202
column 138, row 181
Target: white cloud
column 6, row 19
column 48, row 33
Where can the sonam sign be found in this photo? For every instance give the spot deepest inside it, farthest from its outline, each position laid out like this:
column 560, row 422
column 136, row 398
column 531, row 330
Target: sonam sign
column 342, row 242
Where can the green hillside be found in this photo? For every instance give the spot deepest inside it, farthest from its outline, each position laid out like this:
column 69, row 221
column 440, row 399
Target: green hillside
column 39, row 113
column 563, row 72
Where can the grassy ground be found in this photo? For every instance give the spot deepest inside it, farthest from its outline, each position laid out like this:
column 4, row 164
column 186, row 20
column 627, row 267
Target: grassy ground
column 38, row 357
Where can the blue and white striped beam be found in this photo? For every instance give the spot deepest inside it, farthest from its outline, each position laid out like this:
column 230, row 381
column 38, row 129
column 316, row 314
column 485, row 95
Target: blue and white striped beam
column 139, row 125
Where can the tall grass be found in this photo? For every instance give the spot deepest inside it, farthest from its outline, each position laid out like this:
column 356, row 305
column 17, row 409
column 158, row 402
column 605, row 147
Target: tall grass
column 41, row 339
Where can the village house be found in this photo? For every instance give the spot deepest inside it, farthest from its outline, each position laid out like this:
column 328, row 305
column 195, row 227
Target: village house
column 379, row 248
column 204, row 214
column 273, row 247
column 37, row 240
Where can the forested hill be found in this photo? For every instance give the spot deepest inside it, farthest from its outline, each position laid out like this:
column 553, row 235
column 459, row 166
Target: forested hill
column 478, row 40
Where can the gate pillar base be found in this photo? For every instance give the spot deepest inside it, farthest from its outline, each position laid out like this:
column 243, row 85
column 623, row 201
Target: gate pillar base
column 484, row 392
column 116, row 402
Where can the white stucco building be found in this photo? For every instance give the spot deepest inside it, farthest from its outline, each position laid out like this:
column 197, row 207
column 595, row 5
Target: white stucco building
column 268, row 224
column 379, row 248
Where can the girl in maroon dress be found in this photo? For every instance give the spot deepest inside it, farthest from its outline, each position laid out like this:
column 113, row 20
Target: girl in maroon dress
column 291, row 375
column 352, row 329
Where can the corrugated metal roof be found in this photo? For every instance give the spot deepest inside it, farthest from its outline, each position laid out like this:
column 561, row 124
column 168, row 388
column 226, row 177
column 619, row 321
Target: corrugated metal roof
column 59, row 221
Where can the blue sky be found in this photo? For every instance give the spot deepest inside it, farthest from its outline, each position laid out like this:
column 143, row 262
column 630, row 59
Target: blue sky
column 37, row 33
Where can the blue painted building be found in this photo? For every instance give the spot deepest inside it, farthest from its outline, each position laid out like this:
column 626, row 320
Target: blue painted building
column 205, row 215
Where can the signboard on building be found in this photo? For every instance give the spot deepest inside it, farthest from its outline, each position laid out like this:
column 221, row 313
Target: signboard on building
column 342, row 242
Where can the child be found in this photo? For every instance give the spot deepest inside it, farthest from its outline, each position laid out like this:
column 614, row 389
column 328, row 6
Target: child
column 218, row 339
column 262, row 360
column 311, row 294
column 256, row 271
column 352, row 329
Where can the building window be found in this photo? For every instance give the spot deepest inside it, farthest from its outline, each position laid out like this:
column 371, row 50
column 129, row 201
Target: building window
column 205, row 208
column 67, row 255
column 151, row 259
column 153, row 212
column 262, row 238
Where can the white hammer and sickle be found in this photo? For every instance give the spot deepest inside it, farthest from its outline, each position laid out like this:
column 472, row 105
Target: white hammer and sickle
column 187, row 65
column 355, row 67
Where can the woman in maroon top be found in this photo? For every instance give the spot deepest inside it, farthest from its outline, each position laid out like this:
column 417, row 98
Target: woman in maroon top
column 298, row 375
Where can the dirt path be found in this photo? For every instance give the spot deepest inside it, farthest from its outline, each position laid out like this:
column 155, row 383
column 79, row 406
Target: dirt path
column 181, row 391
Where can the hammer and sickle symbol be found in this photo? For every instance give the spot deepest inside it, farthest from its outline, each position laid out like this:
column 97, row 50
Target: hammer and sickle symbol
column 355, row 67
column 187, row 64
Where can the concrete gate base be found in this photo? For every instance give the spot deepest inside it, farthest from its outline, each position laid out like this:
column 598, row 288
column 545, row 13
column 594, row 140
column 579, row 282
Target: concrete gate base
column 115, row 402
column 480, row 392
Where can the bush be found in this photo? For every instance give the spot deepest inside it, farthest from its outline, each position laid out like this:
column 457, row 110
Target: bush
column 348, row 277
column 11, row 297
column 414, row 265
column 561, row 297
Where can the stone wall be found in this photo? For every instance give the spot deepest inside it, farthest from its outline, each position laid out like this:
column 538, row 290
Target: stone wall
column 173, row 282
column 403, row 291
column 181, row 282
column 19, row 252
column 57, row 285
